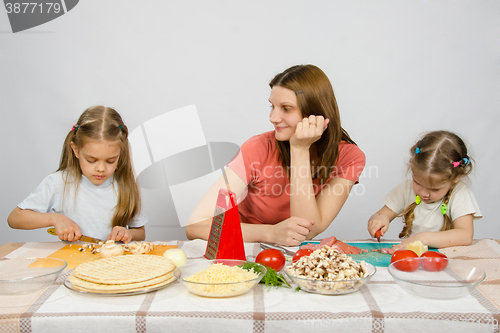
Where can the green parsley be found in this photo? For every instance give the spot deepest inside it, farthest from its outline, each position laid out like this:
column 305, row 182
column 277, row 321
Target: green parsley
column 271, row 279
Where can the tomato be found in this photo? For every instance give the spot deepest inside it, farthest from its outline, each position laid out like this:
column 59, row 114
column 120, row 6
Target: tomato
column 402, row 260
column 300, row 253
column 434, row 261
column 272, row 258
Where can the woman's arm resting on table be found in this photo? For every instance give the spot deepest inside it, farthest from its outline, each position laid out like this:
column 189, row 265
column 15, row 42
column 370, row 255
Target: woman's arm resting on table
column 289, row 232
column 462, row 234
column 27, row 219
column 200, row 221
column 325, row 206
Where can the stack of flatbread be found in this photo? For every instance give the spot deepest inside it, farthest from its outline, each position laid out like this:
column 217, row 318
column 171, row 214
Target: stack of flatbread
column 123, row 274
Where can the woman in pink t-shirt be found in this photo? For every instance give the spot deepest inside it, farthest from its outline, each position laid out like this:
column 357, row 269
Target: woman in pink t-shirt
column 293, row 181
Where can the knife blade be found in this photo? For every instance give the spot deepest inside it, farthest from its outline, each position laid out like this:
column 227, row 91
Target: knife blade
column 285, row 251
column 87, row 239
column 377, row 234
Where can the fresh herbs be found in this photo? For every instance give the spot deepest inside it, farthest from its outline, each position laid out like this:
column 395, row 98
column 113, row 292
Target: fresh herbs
column 271, row 279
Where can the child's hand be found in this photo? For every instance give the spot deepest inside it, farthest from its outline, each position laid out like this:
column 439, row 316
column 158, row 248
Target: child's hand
column 66, row 229
column 308, row 131
column 376, row 222
column 120, row 234
column 404, row 243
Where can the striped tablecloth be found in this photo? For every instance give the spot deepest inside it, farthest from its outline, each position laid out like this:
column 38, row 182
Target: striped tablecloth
column 380, row 306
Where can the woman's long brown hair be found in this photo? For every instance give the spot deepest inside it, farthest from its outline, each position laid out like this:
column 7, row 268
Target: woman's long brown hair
column 104, row 123
column 315, row 96
column 437, row 151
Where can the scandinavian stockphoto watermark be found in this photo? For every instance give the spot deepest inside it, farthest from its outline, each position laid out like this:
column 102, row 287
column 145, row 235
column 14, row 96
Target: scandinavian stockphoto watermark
column 266, row 175
column 25, row 15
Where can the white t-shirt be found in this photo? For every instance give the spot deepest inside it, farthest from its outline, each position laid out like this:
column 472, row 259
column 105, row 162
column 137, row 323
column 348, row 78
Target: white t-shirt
column 428, row 217
column 92, row 208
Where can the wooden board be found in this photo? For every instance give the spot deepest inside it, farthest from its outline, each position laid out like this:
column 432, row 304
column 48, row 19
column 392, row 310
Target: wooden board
column 71, row 254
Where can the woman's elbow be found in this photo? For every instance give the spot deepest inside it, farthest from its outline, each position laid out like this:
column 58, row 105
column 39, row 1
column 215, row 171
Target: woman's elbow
column 190, row 232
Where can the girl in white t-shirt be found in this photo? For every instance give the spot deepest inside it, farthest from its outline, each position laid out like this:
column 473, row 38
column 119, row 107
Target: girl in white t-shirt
column 437, row 207
column 94, row 191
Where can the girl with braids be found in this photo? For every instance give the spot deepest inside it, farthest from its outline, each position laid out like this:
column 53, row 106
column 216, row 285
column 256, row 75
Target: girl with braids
column 436, row 205
column 293, row 181
column 93, row 192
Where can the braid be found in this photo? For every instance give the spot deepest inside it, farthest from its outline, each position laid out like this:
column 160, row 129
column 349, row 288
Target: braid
column 448, row 224
column 408, row 217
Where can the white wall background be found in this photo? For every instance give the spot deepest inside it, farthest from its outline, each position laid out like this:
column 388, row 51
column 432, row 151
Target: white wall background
column 399, row 68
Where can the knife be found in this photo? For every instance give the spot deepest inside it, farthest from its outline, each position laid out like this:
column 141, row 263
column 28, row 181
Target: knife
column 285, row 251
column 377, row 234
column 87, row 239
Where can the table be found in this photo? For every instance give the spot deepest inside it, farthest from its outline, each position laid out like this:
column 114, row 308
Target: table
column 380, row 306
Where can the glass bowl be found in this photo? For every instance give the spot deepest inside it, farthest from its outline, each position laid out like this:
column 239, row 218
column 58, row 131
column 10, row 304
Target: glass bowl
column 458, row 279
column 217, row 289
column 25, row 275
column 338, row 287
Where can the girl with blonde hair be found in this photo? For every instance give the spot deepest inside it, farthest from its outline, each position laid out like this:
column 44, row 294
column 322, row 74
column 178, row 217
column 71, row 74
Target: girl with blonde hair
column 436, row 205
column 93, row 192
column 293, row 181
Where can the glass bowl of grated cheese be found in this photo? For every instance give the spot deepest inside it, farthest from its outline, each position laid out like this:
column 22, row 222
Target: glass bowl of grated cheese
column 220, row 277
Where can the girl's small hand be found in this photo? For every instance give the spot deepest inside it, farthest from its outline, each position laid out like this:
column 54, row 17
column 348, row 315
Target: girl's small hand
column 308, row 131
column 404, row 243
column 120, row 234
column 66, row 229
column 378, row 222
column 292, row 231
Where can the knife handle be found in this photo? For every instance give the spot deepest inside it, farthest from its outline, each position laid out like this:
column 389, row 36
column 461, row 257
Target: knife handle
column 52, row 231
column 377, row 234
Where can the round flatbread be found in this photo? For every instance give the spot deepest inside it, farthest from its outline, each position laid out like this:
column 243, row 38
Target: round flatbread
column 124, row 269
column 120, row 288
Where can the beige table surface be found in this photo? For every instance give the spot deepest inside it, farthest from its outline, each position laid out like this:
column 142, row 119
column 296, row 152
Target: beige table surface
column 379, row 306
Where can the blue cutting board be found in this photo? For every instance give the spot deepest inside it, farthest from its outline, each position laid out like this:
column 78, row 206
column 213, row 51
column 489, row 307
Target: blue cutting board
column 375, row 258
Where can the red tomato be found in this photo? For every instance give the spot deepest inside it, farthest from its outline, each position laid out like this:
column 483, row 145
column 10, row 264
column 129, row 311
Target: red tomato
column 434, row 261
column 402, row 260
column 272, row 258
column 300, row 253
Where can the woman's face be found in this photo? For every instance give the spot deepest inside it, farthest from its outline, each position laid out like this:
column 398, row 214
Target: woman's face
column 285, row 113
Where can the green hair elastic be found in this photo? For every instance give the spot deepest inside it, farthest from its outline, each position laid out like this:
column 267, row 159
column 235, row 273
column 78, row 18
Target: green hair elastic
column 443, row 209
column 418, row 200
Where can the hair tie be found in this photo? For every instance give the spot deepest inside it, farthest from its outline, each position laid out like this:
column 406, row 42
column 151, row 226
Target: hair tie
column 417, row 150
column 466, row 161
column 443, row 209
column 75, row 127
column 455, row 164
column 418, row 200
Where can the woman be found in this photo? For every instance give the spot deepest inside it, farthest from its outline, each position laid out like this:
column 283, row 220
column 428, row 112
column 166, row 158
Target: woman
column 298, row 176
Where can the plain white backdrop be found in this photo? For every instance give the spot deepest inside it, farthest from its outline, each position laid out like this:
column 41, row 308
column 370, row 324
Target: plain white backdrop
column 398, row 68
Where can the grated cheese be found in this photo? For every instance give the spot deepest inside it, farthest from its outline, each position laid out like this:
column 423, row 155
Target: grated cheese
column 219, row 279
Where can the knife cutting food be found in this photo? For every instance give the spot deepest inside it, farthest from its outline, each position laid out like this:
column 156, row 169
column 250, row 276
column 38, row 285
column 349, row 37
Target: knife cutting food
column 83, row 238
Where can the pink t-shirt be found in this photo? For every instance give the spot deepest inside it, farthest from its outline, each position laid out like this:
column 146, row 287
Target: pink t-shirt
column 268, row 197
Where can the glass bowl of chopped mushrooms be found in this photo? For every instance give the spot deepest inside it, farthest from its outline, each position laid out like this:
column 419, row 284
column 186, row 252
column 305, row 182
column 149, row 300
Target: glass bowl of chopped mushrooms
column 329, row 272
column 220, row 277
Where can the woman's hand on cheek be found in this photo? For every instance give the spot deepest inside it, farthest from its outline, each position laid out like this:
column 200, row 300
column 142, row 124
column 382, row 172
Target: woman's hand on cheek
column 308, row 131
column 120, row 234
column 292, row 231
